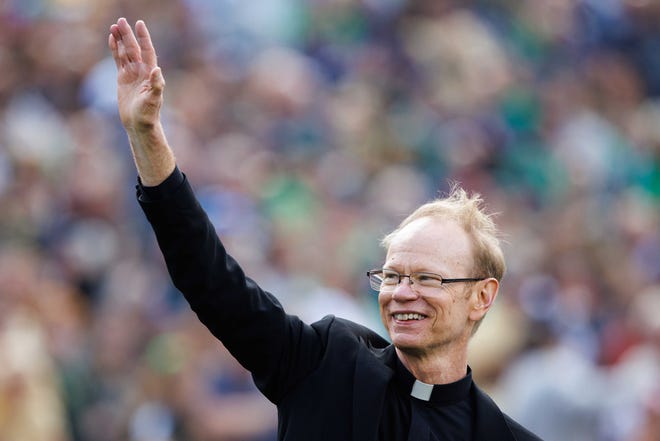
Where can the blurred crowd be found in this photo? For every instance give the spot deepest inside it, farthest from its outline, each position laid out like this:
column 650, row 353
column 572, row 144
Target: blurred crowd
column 309, row 129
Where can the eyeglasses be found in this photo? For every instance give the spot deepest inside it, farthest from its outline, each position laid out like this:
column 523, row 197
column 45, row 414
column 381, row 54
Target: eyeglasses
column 386, row 280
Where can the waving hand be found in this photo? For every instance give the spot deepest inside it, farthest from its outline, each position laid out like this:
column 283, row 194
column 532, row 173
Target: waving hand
column 140, row 86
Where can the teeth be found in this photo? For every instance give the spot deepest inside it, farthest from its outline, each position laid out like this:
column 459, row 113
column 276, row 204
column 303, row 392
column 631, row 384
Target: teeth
column 410, row 316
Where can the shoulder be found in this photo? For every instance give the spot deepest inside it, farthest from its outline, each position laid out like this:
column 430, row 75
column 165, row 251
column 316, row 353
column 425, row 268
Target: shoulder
column 519, row 432
column 339, row 328
column 492, row 420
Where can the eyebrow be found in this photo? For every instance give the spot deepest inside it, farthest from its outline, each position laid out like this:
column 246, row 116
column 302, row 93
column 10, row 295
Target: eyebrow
column 400, row 271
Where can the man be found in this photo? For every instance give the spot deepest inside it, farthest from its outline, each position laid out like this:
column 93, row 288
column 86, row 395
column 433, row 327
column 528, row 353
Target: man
column 333, row 379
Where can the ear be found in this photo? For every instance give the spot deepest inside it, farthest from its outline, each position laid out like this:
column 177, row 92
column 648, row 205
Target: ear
column 484, row 298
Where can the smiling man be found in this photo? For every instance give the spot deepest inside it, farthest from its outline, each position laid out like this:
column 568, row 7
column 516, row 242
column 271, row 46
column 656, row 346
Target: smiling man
column 430, row 317
column 332, row 379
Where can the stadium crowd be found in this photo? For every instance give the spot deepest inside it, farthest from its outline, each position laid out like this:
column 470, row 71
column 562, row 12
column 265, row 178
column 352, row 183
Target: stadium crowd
column 308, row 129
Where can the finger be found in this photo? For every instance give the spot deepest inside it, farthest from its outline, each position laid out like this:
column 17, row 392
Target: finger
column 157, row 81
column 112, row 44
column 128, row 41
column 122, row 57
column 146, row 45
column 114, row 31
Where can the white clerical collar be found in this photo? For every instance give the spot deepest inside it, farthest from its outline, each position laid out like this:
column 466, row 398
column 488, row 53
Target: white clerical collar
column 439, row 393
column 421, row 390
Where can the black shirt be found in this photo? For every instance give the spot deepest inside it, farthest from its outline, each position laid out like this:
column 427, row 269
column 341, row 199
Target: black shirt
column 160, row 191
column 448, row 412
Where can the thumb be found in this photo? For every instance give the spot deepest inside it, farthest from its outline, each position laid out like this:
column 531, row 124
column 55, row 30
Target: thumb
column 157, row 81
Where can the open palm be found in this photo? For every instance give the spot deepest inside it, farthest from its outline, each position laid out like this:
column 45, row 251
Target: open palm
column 139, row 80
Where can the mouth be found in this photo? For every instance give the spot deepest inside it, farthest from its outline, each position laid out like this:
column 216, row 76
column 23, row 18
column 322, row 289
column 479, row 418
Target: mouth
column 407, row 317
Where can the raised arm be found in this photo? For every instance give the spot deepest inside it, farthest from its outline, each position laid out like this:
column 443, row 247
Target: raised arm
column 140, row 86
column 279, row 349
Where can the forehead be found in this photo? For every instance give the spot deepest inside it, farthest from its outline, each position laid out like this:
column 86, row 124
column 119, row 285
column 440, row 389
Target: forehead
column 431, row 244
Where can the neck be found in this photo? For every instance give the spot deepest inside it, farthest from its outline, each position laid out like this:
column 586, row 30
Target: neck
column 435, row 369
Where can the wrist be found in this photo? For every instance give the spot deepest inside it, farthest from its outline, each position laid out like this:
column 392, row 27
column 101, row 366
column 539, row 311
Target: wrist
column 152, row 154
column 144, row 133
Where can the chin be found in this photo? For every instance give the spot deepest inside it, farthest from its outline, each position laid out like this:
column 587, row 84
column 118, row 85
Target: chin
column 406, row 344
column 410, row 350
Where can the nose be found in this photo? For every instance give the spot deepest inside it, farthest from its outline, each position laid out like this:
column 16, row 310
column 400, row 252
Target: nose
column 404, row 291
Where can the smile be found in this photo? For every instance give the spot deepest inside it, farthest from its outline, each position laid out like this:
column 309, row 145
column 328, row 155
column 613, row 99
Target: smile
column 409, row 316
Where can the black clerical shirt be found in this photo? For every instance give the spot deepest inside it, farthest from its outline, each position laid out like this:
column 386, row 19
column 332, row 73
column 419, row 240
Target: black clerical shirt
column 439, row 412
column 447, row 414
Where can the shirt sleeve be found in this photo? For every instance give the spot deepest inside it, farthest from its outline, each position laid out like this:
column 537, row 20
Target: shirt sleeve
column 161, row 191
column 277, row 348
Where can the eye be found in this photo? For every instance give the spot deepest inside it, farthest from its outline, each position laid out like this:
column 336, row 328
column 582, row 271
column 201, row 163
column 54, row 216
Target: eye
column 428, row 279
column 390, row 277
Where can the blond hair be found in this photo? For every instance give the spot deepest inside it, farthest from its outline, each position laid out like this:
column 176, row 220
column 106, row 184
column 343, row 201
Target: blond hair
column 468, row 211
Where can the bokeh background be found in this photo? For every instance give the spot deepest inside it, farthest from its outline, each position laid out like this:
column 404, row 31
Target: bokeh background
column 309, row 129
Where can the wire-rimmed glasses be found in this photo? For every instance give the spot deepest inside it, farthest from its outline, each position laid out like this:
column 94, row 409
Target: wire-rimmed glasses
column 387, row 279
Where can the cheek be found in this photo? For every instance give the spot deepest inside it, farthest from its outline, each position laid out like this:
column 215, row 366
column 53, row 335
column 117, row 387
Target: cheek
column 383, row 300
column 451, row 309
column 444, row 307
